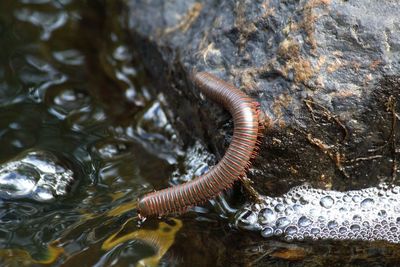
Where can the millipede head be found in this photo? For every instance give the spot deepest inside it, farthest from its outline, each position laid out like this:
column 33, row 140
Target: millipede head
column 143, row 207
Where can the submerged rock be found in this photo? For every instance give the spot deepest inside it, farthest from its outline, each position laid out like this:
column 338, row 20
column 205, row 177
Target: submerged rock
column 37, row 175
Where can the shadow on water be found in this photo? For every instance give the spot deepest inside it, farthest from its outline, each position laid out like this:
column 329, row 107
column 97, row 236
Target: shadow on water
column 82, row 136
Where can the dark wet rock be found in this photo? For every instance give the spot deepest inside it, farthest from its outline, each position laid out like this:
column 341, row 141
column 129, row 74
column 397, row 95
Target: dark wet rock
column 37, row 175
column 325, row 71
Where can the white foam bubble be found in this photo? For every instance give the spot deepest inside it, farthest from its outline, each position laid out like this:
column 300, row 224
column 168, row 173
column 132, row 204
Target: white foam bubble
column 305, row 212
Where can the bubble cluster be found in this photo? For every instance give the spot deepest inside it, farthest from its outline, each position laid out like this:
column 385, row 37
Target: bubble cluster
column 304, row 212
column 34, row 175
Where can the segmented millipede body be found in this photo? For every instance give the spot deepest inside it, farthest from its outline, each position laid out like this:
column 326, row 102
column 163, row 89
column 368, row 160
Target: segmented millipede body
column 231, row 167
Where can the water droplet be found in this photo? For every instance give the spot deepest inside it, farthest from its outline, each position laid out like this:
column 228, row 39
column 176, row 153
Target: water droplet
column 282, row 222
column 267, row 232
column 327, row 202
column 289, row 238
column 315, row 231
column 346, row 198
column 367, row 203
column 296, row 207
column 304, row 221
column 365, row 224
column 382, row 213
column 279, row 208
column 278, row 232
column 355, row 228
column 267, row 216
column 289, row 211
column 396, row 190
column 357, row 218
column 303, row 201
column 250, row 217
column 291, row 230
column 356, row 198
column 332, row 224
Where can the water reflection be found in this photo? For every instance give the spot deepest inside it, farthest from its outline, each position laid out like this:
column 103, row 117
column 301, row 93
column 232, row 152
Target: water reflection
column 48, row 22
column 36, row 175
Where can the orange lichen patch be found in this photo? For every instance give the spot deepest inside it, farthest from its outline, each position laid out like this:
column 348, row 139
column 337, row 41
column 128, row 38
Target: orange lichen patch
column 290, row 254
column 337, row 53
column 245, row 28
column 266, row 120
column 355, row 65
column 319, row 82
column 368, row 78
column 187, row 20
column 281, row 102
column 303, row 70
column 268, row 10
column 320, row 2
column 161, row 239
column 248, row 79
column 308, row 23
column 332, row 67
column 321, row 61
column 309, row 28
column 375, row 64
column 281, row 123
column 292, row 27
column 289, row 49
column 346, row 92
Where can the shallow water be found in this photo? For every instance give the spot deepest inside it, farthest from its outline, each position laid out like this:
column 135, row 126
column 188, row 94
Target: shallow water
column 82, row 136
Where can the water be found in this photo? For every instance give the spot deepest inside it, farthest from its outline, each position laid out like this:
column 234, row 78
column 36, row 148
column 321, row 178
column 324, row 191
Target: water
column 82, row 136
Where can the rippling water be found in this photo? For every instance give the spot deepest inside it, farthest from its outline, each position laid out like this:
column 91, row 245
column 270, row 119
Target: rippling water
column 72, row 165
column 82, row 136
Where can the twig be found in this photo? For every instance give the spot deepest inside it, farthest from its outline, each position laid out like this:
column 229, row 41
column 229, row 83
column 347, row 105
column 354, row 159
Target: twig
column 327, row 114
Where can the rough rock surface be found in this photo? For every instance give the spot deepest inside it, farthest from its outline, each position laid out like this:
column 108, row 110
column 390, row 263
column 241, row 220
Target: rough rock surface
column 325, row 71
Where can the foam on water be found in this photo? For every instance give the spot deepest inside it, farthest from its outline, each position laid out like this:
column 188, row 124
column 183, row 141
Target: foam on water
column 304, row 212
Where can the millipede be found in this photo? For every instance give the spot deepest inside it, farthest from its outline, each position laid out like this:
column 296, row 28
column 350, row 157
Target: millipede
column 233, row 165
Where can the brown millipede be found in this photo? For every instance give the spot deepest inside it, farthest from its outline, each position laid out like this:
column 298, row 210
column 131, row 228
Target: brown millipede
column 232, row 166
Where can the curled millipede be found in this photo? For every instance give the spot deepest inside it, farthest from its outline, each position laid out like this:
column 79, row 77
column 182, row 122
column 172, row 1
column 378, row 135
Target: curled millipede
column 232, row 166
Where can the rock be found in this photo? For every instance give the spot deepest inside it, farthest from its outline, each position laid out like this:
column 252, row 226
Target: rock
column 326, row 73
